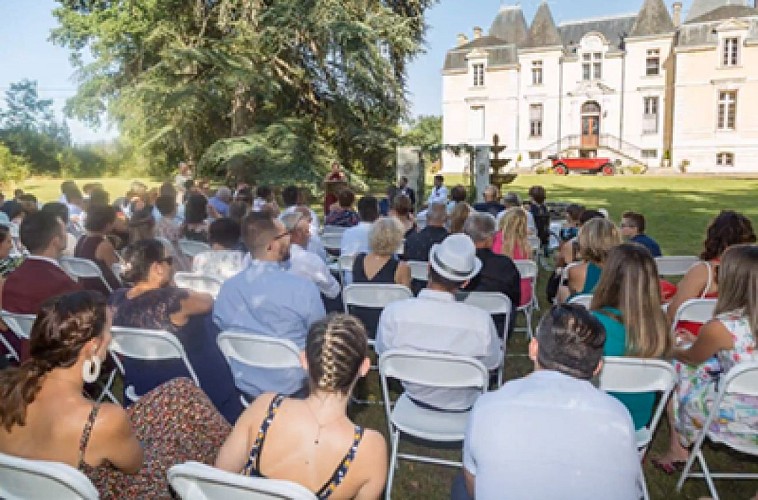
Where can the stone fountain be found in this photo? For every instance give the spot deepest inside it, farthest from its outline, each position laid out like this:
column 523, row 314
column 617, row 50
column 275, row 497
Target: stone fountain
column 496, row 163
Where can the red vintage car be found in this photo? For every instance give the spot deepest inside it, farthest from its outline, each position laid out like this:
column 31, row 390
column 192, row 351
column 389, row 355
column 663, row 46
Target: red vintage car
column 562, row 166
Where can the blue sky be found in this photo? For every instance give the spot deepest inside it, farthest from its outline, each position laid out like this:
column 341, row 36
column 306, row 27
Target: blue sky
column 26, row 53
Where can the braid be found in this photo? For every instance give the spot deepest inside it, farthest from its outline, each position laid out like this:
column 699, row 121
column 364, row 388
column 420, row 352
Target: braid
column 18, row 388
column 335, row 349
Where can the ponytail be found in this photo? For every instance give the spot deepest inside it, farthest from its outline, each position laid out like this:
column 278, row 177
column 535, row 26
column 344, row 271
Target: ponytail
column 18, row 389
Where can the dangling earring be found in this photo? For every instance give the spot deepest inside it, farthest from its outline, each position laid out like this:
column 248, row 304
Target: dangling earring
column 91, row 369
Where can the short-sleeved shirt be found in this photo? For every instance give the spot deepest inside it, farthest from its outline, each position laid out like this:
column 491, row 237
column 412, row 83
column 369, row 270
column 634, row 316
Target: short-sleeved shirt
column 549, row 435
column 649, row 243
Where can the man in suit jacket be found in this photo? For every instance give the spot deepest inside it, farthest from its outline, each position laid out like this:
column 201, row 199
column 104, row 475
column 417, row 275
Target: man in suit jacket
column 40, row 277
column 499, row 273
column 403, row 188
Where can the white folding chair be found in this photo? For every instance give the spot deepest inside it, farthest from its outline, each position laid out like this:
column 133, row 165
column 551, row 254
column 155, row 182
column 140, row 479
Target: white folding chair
column 147, row 345
column 261, row 351
column 20, row 325
column 83, row 268
column 419, row 270
column 634, row 375
column 191, row 248
column 583, row 299
column 117, row 268
column 344, row 266
column 493, row 303
column 740, row 380
column 21, row 478
column 373, row 295
column 196, row 481
column 675, row 265
column 198, row 283
column 333, row 230
column 696, row 310
column 405, row 417
column 528, row 270
column 332, row 241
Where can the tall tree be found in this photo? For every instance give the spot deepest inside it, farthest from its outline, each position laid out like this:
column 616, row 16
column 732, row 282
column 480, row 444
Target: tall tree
column 29, row 128
column 179, row 75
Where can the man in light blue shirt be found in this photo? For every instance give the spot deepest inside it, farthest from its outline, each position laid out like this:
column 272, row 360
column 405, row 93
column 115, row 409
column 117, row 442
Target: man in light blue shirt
column 265, row 299
column 221, row 201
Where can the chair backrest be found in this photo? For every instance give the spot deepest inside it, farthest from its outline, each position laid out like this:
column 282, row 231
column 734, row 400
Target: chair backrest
column 333, row 230
column 696, row 310
column 492, row 302
column 534, row 242
column 332, row 241
column 583, row 299
column 258, row 350
column 191, row 248
column 675, row 265
column 419, row 270
column 198, row 283
column 433, row 369
column 374, row 295
column 83, row 268
column 20, row 324
column 345, row 264
column 144, row 344
column 22, row 478
column 196, row 481
column 741, row 379
column 526, row 268
column 636, row 375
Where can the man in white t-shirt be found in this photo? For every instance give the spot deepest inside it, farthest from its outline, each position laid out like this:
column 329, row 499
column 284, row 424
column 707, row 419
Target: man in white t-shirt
column 552, row 434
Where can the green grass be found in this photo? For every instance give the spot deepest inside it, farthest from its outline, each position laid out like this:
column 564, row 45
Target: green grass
column 677, row 211
column 49, row 189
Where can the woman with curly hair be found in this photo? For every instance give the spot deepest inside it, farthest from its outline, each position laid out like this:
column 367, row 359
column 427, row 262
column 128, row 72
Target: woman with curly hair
column 701, row 281
column 511, row 240
column 312, row 441
column 44, row 414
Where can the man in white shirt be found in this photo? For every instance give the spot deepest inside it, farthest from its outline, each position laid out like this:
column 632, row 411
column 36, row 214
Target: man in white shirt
column 303, row 262
column 355, row 239
column 439, row 191
column 552, row 434
column 435, row 322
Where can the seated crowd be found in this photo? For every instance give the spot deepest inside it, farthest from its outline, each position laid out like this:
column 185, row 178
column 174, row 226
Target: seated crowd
column 278, row 279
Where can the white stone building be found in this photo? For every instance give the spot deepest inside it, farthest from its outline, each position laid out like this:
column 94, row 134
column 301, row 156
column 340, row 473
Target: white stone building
column 640, row 88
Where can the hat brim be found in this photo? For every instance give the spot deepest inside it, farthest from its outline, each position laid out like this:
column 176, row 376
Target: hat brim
column 449, row 273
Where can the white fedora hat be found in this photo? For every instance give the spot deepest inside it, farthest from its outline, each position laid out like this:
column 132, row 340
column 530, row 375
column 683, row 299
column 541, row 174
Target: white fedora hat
column 455, row 258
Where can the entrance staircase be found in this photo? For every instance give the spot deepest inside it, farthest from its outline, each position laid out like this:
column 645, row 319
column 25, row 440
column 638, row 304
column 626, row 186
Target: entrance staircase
column 608, row 145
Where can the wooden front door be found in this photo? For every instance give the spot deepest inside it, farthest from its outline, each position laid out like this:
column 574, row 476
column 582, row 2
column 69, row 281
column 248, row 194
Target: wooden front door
column 590, row 131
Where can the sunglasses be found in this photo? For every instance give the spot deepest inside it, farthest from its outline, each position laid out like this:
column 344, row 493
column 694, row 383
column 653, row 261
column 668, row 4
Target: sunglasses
column 285, row 233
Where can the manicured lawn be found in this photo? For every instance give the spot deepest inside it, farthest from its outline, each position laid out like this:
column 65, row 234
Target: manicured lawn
column 677, row 209
column 49, row 189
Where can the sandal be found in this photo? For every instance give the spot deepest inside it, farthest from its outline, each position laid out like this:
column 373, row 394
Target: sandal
column 669, row 467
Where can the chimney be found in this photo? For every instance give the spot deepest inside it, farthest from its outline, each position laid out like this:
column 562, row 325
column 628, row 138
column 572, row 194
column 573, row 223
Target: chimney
column 477, row 32
column 676, row 14
column 462, row 39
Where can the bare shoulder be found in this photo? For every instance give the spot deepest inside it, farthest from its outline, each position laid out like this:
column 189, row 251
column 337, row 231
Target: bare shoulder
column 112, row 419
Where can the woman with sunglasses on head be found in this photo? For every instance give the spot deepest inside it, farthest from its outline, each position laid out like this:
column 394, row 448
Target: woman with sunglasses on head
column 44, row 414
column 312, row 441
column 153, row 302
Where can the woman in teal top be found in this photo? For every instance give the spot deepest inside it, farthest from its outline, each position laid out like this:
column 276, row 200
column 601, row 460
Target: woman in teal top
column 596, row 238
column 627, row 301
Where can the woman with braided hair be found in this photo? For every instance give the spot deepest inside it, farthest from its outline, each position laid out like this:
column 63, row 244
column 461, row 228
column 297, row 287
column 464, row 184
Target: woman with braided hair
column 312, row 441
column 125, row 453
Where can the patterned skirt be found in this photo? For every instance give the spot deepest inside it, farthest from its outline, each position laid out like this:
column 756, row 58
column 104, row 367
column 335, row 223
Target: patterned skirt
column 175, row 422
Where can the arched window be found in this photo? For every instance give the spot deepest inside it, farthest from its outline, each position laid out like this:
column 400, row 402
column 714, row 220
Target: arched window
column 590, row 108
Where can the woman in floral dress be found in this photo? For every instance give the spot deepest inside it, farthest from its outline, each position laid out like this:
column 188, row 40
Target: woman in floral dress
column 731, row 337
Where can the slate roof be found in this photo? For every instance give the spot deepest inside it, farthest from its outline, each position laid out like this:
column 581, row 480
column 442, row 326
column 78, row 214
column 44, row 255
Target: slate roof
column 701, row 7
column 653, row 19
column 543, row 32
column 499, row 53
column 612, row 28
column 725, row 12
column 510, row 25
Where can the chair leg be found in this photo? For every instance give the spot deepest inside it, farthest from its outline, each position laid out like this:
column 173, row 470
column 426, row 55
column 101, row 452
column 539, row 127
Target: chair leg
column 393, row 463
column 691, row 460
column 707, row 475
column 643, row 485
column 528, row 316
